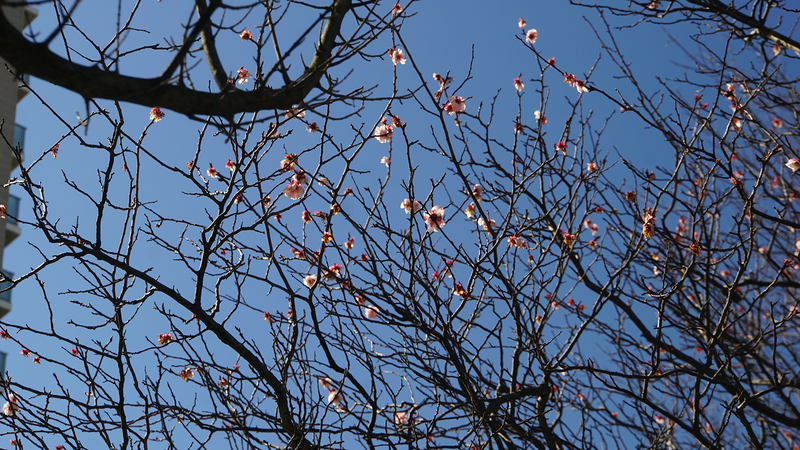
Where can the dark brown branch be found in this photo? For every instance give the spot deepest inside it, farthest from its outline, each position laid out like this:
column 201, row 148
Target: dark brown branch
column 92, row 82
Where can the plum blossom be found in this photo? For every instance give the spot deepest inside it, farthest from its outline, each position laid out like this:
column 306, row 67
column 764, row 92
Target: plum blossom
column 793, row 164
column 561, row 145
column 383, row 132
column 581, row 86
column 477, row 192
column 649, row 225
column 454, row 105
column 518, row 84
column 2, row 213
column 371, row 312
column 312, row 127
column 517, row 241
column 521, row 24
column 486, row 224
column 539, row 117
column 397, row 56
column 306, row 216
column 470, row 210
column 212, row 172
column 397, row 9
column 243, row 75
column 410, row 206
column 186, row 373
column 326, row 383
column 163, row 339
column 335, row 398
column 531, row 35
column 295, row 113
column 11, row 406
column 246, row 36
column 310, row 280
column 591, row 167
column 294, row 190
column 401, row 418
column 434, row 218
column 385, row 161
column 155, row 116
column 777, row 123
column 230, row 165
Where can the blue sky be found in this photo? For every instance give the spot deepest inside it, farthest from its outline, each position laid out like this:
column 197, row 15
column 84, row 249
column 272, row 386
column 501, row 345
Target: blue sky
column 440, row 36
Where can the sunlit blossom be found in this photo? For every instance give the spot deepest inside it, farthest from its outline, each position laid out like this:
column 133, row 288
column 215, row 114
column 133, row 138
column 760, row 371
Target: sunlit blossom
column 518, row 84
column 434, row 218
column 531, row 35
column 521, row 23
column 454, row 105
column 477, row 192
column 517, row 241
column 397, row 56
column 11, row 407
column 294, row 190
column 591, row 167
column 371, row 312
column 155, row 115
column 243, row 76
column 401, row 418
column 458, row 289
column 186, row 373
column 486, row 224
column 470, row 210
column 164, row 338
column 561, row 145
column 246, row 36
column 212, row 172
column 312, row 127
column 383, row 132
column 777, row 123
column 397, row 9
column 385, row 161
column 539, row 117
column 410, row 206
column 335, row 398
column 793, row 164
column 310, row 280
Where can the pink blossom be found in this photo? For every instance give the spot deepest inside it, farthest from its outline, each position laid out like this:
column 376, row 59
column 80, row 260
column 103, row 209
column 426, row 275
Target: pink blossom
column 385, row 161
column 312, row 127
column 581, row 86
column 295, row 113
column 243, row 75
column 434, row 218
column 383, row 133
column 397, row 56
column 521, row 24
column 401, row 418
column 410, row 206
column 470, row 210
column 310, row 280
column 517, row 241
column 486, row 225
column 11, row 406
column 294, row 190
column 306, row 216
column 371, row 312
column 155, row 116
column 326, row 383
column 335, row 398
column 230, row 165
column 777, row 123
column 212, row 172
column 186, row 373
column 477, row 190
column 518, row 84
column 397, row 9
column 591, row 167
column 531, row 35
column 793, row 164
column 454, row 105
column 539, row 117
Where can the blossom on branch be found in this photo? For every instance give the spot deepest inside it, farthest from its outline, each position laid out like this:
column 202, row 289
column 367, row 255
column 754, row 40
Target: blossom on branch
column 434, row 218
column 155, row 115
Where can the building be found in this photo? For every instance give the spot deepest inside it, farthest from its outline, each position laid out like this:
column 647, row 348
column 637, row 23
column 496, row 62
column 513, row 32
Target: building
column 11, row 92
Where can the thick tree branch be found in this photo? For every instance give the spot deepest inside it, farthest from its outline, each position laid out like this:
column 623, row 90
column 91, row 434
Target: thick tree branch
column 92, row 82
